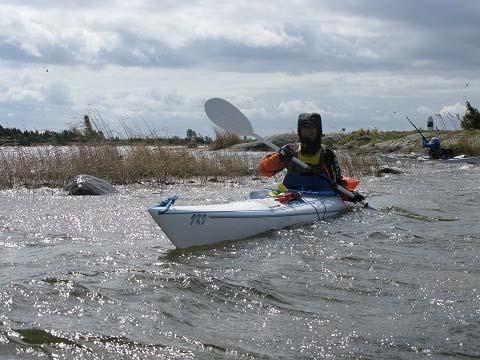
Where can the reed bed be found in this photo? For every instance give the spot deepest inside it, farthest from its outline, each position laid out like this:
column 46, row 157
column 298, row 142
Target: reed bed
column 223, row 140
column 55, row 166
column 466, row 142
column 354, row 165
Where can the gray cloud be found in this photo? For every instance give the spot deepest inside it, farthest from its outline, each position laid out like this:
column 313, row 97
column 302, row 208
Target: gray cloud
column 356, row 61
column 425, row 13
column 442, row 33
column 48, row 54
column 58, row 93
column 388, row 35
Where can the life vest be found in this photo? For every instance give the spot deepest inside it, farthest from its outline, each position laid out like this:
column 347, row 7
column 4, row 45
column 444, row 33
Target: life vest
column 314, row 161
column 300, row 179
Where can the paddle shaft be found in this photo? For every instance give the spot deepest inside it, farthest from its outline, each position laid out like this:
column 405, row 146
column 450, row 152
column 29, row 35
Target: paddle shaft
column 424, row 138
column 276, row 148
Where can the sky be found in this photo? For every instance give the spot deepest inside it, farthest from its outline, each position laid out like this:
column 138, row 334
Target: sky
column 143, row 66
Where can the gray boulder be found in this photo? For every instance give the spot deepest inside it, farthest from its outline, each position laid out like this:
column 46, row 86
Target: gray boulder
column 89, row 185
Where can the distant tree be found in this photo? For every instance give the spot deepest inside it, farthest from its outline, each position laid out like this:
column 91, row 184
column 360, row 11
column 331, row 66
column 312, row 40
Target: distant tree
column 89, row 133
column 191, row 135
column 23, row 140
column 471, row 119
column 175, row 140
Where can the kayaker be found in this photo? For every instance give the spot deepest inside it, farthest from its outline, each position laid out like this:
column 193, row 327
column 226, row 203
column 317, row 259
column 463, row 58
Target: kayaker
column 435, row 151
column 433, row 146
column 324, row 168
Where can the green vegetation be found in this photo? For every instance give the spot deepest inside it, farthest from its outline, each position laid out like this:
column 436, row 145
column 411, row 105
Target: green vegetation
column 471, row 119
column 366, row 141
column 193, row 138
column 360, row 137
column 14, row 136
column 95, row 131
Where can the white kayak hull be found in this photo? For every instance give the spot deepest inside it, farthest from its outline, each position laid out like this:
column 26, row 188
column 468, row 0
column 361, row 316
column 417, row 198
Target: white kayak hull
column 199, row 225
column 465, row 159
column 457, row 159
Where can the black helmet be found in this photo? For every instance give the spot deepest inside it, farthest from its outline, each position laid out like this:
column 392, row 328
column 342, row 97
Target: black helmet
column 310, row 147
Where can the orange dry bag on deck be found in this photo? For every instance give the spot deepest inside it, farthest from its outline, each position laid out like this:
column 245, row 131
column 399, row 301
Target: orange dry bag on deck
column 350, row 183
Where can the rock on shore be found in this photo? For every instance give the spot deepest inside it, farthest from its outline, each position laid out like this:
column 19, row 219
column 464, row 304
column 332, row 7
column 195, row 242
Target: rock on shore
column 89, row 185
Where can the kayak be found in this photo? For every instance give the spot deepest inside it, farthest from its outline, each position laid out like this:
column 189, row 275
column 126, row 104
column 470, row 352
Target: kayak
column 199, row 225
column 465, row 159
column 415, row 157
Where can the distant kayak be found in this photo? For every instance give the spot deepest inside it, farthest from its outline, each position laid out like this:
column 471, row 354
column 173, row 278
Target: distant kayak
column 465, row 159
column 416, row 157
column 199, row 225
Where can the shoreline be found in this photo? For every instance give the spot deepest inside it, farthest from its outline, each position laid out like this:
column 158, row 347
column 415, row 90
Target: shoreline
column 359, row 156
column 365, row 141
column 383, row 142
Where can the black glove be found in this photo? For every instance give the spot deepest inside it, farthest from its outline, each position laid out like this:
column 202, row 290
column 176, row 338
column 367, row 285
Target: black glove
column 286, row 152
column 357, row 197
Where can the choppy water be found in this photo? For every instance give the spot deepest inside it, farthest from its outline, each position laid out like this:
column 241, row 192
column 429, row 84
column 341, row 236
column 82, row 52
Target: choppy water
column 95, row 278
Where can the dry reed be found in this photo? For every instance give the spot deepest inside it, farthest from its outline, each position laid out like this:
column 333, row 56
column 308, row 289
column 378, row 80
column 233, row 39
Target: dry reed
column 355, row 165
column 224, row 140
column 467, row 143
column 54, row 166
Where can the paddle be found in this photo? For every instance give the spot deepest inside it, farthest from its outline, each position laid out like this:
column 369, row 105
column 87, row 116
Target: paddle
column 229, row 118
column 424, row 138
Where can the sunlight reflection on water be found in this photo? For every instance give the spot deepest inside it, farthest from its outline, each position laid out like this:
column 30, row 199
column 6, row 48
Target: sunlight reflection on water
column 92, row 277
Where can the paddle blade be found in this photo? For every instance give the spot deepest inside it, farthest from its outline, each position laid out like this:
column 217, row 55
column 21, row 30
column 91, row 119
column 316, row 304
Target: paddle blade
column 228, row 117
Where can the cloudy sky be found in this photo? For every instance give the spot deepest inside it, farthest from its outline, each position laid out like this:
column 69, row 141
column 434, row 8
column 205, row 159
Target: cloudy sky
column 359, row 63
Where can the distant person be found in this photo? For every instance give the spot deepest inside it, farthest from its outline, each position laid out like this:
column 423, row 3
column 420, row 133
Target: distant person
column 324, row 169
column 435, row 151
column 433, row 146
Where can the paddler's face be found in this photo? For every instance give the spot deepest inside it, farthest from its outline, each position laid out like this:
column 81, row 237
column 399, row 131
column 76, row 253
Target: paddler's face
column 308, row 131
